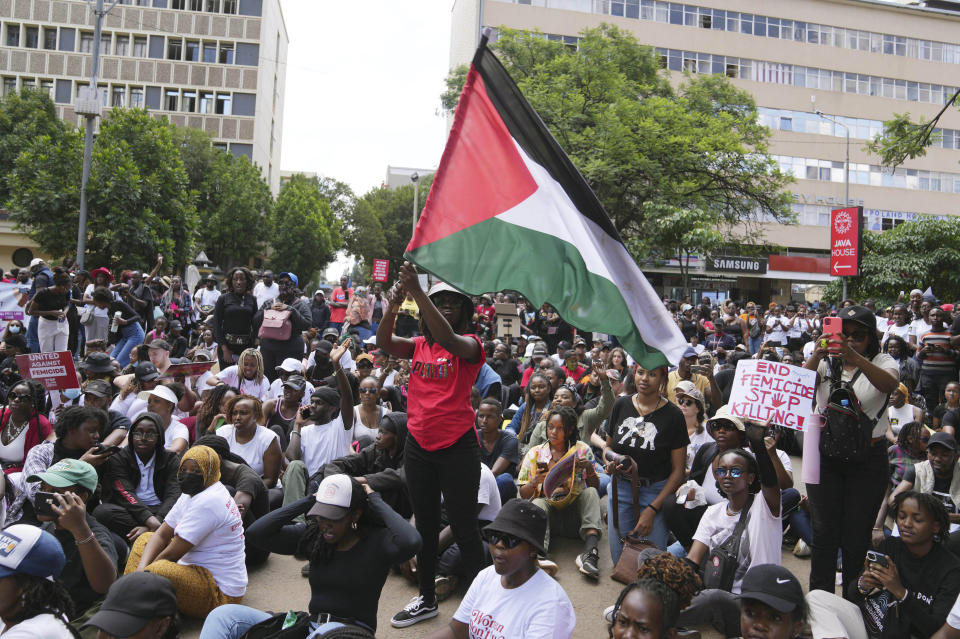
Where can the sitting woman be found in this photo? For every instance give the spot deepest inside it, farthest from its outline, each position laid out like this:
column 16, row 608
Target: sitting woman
column 587, row 420
column 908, row 588
column 255, row 444
column 901, row 412
column 575, row 502
column 910, row 449
column 140, row 482
column 199, row 546
column 536, row 403
column 22, row 426
column 368, row 413
column 514, row 591
column 247, row 375
column 351, row 539
column 740, row 476
column 212, row 413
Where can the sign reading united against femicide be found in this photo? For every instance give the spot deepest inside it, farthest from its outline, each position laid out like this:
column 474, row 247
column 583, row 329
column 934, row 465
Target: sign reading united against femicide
column 54, row 370
column 380, row 270
column 772, row 391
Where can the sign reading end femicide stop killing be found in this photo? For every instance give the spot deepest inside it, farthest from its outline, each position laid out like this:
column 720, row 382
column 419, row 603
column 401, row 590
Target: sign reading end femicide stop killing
column 54, row 370
column 772, row 391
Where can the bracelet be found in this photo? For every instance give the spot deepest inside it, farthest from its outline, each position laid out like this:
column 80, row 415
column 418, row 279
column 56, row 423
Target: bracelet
column 295, row 432
column 86, row 540
column 653, row 508
column 876, row 528
column 906, row 593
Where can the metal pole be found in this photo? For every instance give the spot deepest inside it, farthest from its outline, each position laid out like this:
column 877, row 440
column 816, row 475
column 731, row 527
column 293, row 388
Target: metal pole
column 415, row 178
column 90, row 123
column 846, row 179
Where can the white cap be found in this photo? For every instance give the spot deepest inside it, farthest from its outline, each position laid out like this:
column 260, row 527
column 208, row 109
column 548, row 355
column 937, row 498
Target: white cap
column 35, row 261
column 291, row 365
column 333, row 497
column 163, row 392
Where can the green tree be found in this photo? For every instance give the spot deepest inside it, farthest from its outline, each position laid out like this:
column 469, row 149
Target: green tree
column 303, row 232
column 24, row 117
column 903, row 138
column 916, row 254
column 648, row 148
column 139, row 202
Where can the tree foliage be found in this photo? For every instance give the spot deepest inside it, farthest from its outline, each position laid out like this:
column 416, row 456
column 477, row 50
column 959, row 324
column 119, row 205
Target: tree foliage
column 303, row 231
column 903, row 138
column 648, row 149
column 916, row 254
column 24, row 117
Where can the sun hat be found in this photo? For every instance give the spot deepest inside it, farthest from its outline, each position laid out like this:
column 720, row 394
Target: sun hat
column 523, row 520
column 162, row 392
column 723, row 414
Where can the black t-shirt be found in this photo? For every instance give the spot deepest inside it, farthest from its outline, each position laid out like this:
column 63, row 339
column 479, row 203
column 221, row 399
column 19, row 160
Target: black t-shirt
column 951, row 418
column 48, row 300
column 178, row 346
column 649, row 440
column 126, row 311
column 507, row 369
column 955, row 327
column 508, row 447
column 73, row 575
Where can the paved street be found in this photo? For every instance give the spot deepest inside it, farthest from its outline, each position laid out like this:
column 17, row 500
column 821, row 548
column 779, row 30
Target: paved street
column 279, row 586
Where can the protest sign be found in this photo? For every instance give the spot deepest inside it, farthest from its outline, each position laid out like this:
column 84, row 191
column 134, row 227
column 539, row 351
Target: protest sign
column 187, row 370
column 764, row 390
column 380, row 270
column 54, row 370
column 10, row 307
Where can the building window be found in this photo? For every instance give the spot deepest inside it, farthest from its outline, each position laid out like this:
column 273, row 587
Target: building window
column 213, row 6
column 105, row 45
column 31, row 37
column 86, row 42
column 13, row 35
column 189, row 101
column 47, row 87
column 117, row 96
column 9, row 86
column 178, row 4
column 230, row 6
column 193, row 51
column 136, row 98
column 226, row 53
column 50, row 38
column 170, row 100
column 28, row 83
column 140, row 47
column 196, row 5
column 206, row 102
column 123, row 45
column 223, row 104
column 174, row 49
column 210, row 52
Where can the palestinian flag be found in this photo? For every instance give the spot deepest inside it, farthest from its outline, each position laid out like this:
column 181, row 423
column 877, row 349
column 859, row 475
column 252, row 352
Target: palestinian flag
column 508, row 210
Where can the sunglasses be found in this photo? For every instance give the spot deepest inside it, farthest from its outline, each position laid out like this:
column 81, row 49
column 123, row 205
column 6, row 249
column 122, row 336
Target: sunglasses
column 18, row 397
column 370, row 391
column 858, row 336
column 686, row 402
column 723, row 426
column 494, row 538
column 144, row 436
column 735, row 472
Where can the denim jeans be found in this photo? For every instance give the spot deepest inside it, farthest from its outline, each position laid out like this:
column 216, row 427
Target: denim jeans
column 33, row 340
column 232, row 620
column 755, row 343
column 507, row 487
column 659, row 535
column 794, row 516
column 131, row 336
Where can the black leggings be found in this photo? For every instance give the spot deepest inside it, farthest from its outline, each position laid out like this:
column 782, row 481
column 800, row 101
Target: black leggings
column 455, row 471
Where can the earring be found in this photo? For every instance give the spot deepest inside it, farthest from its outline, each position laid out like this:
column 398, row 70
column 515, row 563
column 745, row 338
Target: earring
column 354, row 525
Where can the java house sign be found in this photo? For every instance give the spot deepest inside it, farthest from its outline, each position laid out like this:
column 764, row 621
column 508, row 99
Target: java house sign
column 736, row 264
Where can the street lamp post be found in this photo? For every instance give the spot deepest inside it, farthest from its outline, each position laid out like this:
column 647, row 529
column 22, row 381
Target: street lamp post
column 89, row 107
column 415, row 178
column 846, row 177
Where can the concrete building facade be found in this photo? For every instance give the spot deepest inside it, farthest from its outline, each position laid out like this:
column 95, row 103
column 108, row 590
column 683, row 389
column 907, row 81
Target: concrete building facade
column 857, row 61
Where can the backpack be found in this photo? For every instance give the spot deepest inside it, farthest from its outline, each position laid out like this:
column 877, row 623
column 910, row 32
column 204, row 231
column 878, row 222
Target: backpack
column 720, row 568
column 276, row 325
column 847, row 429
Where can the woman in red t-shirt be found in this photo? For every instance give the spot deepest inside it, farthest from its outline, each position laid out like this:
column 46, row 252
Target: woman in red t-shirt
column 442, row 450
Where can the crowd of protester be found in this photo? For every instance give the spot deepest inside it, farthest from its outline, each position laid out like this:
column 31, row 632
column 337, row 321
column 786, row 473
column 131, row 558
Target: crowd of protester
column 366, row 431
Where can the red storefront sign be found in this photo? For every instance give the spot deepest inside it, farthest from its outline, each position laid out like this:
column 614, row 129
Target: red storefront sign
column 846, row 232
column 380, row 270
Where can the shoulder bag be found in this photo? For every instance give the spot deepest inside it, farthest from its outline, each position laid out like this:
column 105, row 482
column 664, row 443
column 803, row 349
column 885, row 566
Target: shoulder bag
column 720, row 568
column 280, row 627
column 847, row 429
column 276, row 325
column 626, row 569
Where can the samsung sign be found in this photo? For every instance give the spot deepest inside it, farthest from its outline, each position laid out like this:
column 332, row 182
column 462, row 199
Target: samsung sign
column 733, row 264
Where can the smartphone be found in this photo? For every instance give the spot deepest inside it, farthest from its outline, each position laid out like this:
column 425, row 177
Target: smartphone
column 877, row 558
column 832, row 325
column 101, row 449
column 43, row 503
column 305, row 412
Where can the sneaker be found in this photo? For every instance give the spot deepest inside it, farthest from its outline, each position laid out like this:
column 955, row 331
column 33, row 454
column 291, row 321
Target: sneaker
column 587, row 563
column 414, row 612
column 549, row 567
column 801, row 549
column 305, row 571
column 445, row 585
column 608, row 614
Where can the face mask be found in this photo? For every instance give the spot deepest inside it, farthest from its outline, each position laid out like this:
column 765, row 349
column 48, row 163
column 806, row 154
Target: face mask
column 190, row 483
column 14, row 329
column 72, row 393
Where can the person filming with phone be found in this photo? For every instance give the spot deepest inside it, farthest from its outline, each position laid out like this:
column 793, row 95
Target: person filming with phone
column 701, row 376
column 855, row 381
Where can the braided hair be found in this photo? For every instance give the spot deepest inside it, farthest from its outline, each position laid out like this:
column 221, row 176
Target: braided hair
column 39, row 596
column 934, row 508
column 569, row 418
column 676, row 574
column 910, row 429
column 669, row 602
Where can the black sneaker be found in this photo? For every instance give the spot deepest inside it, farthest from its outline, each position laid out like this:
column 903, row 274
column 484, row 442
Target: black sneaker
column 414, row 612
column 587, row 563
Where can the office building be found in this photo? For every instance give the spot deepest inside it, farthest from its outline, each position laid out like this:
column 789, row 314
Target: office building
column 861, row 61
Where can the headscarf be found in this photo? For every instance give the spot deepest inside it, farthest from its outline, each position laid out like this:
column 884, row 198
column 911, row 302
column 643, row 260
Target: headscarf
column 208, row 461
column 396, row 423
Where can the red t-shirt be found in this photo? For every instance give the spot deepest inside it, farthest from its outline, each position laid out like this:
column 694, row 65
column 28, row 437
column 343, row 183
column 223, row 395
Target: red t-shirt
column 438, row 394
column 339, row 295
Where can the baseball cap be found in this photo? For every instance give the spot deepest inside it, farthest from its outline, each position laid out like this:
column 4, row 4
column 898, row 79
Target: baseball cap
column 579, row 340
column 162, row 392
column 364, row 357
column 333, row 498
column 98, row 387
column 296, row 382
column 97, row 362
column 318, row 292
column 30, row 550
column 688, row 389
column 443, row 287
column 723, row 414
column 563, row 345
column 146, row 372
column 860, row 315
column 690, row 352
column 331, row 332
column 523, row 520
column 132, row 602
column 160, row 343
column 943, row 439
column 773, row 585
column 68, row 472
column 539, row 349
column 325, row 346
column 35, row 262
column 292, row 276
column 173, row 325
column 289, row 365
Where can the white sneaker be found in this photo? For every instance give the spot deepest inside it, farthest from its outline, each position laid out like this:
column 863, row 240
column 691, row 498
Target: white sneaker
column 801, row 549
column 608, row 614
column 549, row 567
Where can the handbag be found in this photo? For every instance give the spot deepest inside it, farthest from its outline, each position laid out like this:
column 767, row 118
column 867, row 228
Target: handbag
column 626, row 569
column 276, row 325
column 274, row 627
column 847, row 430
column 86, row 314
column 720, row 568
column 559, row 478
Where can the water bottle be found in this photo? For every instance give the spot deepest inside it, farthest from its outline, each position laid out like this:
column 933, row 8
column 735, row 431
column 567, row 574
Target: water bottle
column 115, row 324
column 845, row 403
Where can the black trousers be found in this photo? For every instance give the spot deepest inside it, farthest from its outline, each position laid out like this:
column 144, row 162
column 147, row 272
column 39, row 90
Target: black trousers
column 843, row 508
column 118, row 519
column 682, row 521
column 454, row 471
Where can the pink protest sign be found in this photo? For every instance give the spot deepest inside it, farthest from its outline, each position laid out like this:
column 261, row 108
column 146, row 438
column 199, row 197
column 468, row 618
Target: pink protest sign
column 54, row 370
column 772, row 391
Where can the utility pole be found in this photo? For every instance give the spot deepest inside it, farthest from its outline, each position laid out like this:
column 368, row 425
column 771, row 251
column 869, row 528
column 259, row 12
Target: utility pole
column 415, row 178
column 846, row 178
column 89, row 105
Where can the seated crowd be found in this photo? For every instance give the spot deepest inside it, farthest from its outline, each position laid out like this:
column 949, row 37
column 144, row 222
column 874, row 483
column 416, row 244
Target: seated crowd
column 386, row 430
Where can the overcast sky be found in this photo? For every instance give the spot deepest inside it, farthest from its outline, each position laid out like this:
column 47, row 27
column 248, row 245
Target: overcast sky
column 363, row 87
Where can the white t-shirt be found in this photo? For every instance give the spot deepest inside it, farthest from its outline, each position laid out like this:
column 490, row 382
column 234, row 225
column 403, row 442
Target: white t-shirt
column 251, row 452
column 539, row 609
column 321, row 443
column 265, row 293
column 800, row 326
column 871, row 399
column 206, row 297
column 953, row 619
column 175, row 431
column 903, row 332
column 231, row 377
column 488, row 495
column 123, row 405
column 276, row 392
column 808, row 349
column 360, row 430
column 44, row 626
column 919, row 328
column 777, row 335
column 899, row 416
column 696, row 441
column 97, row 311
column 761, row 540
column 211, row 522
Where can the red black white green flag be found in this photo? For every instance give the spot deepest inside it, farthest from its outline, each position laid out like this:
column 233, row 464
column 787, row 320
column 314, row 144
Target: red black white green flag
column 509, row 211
